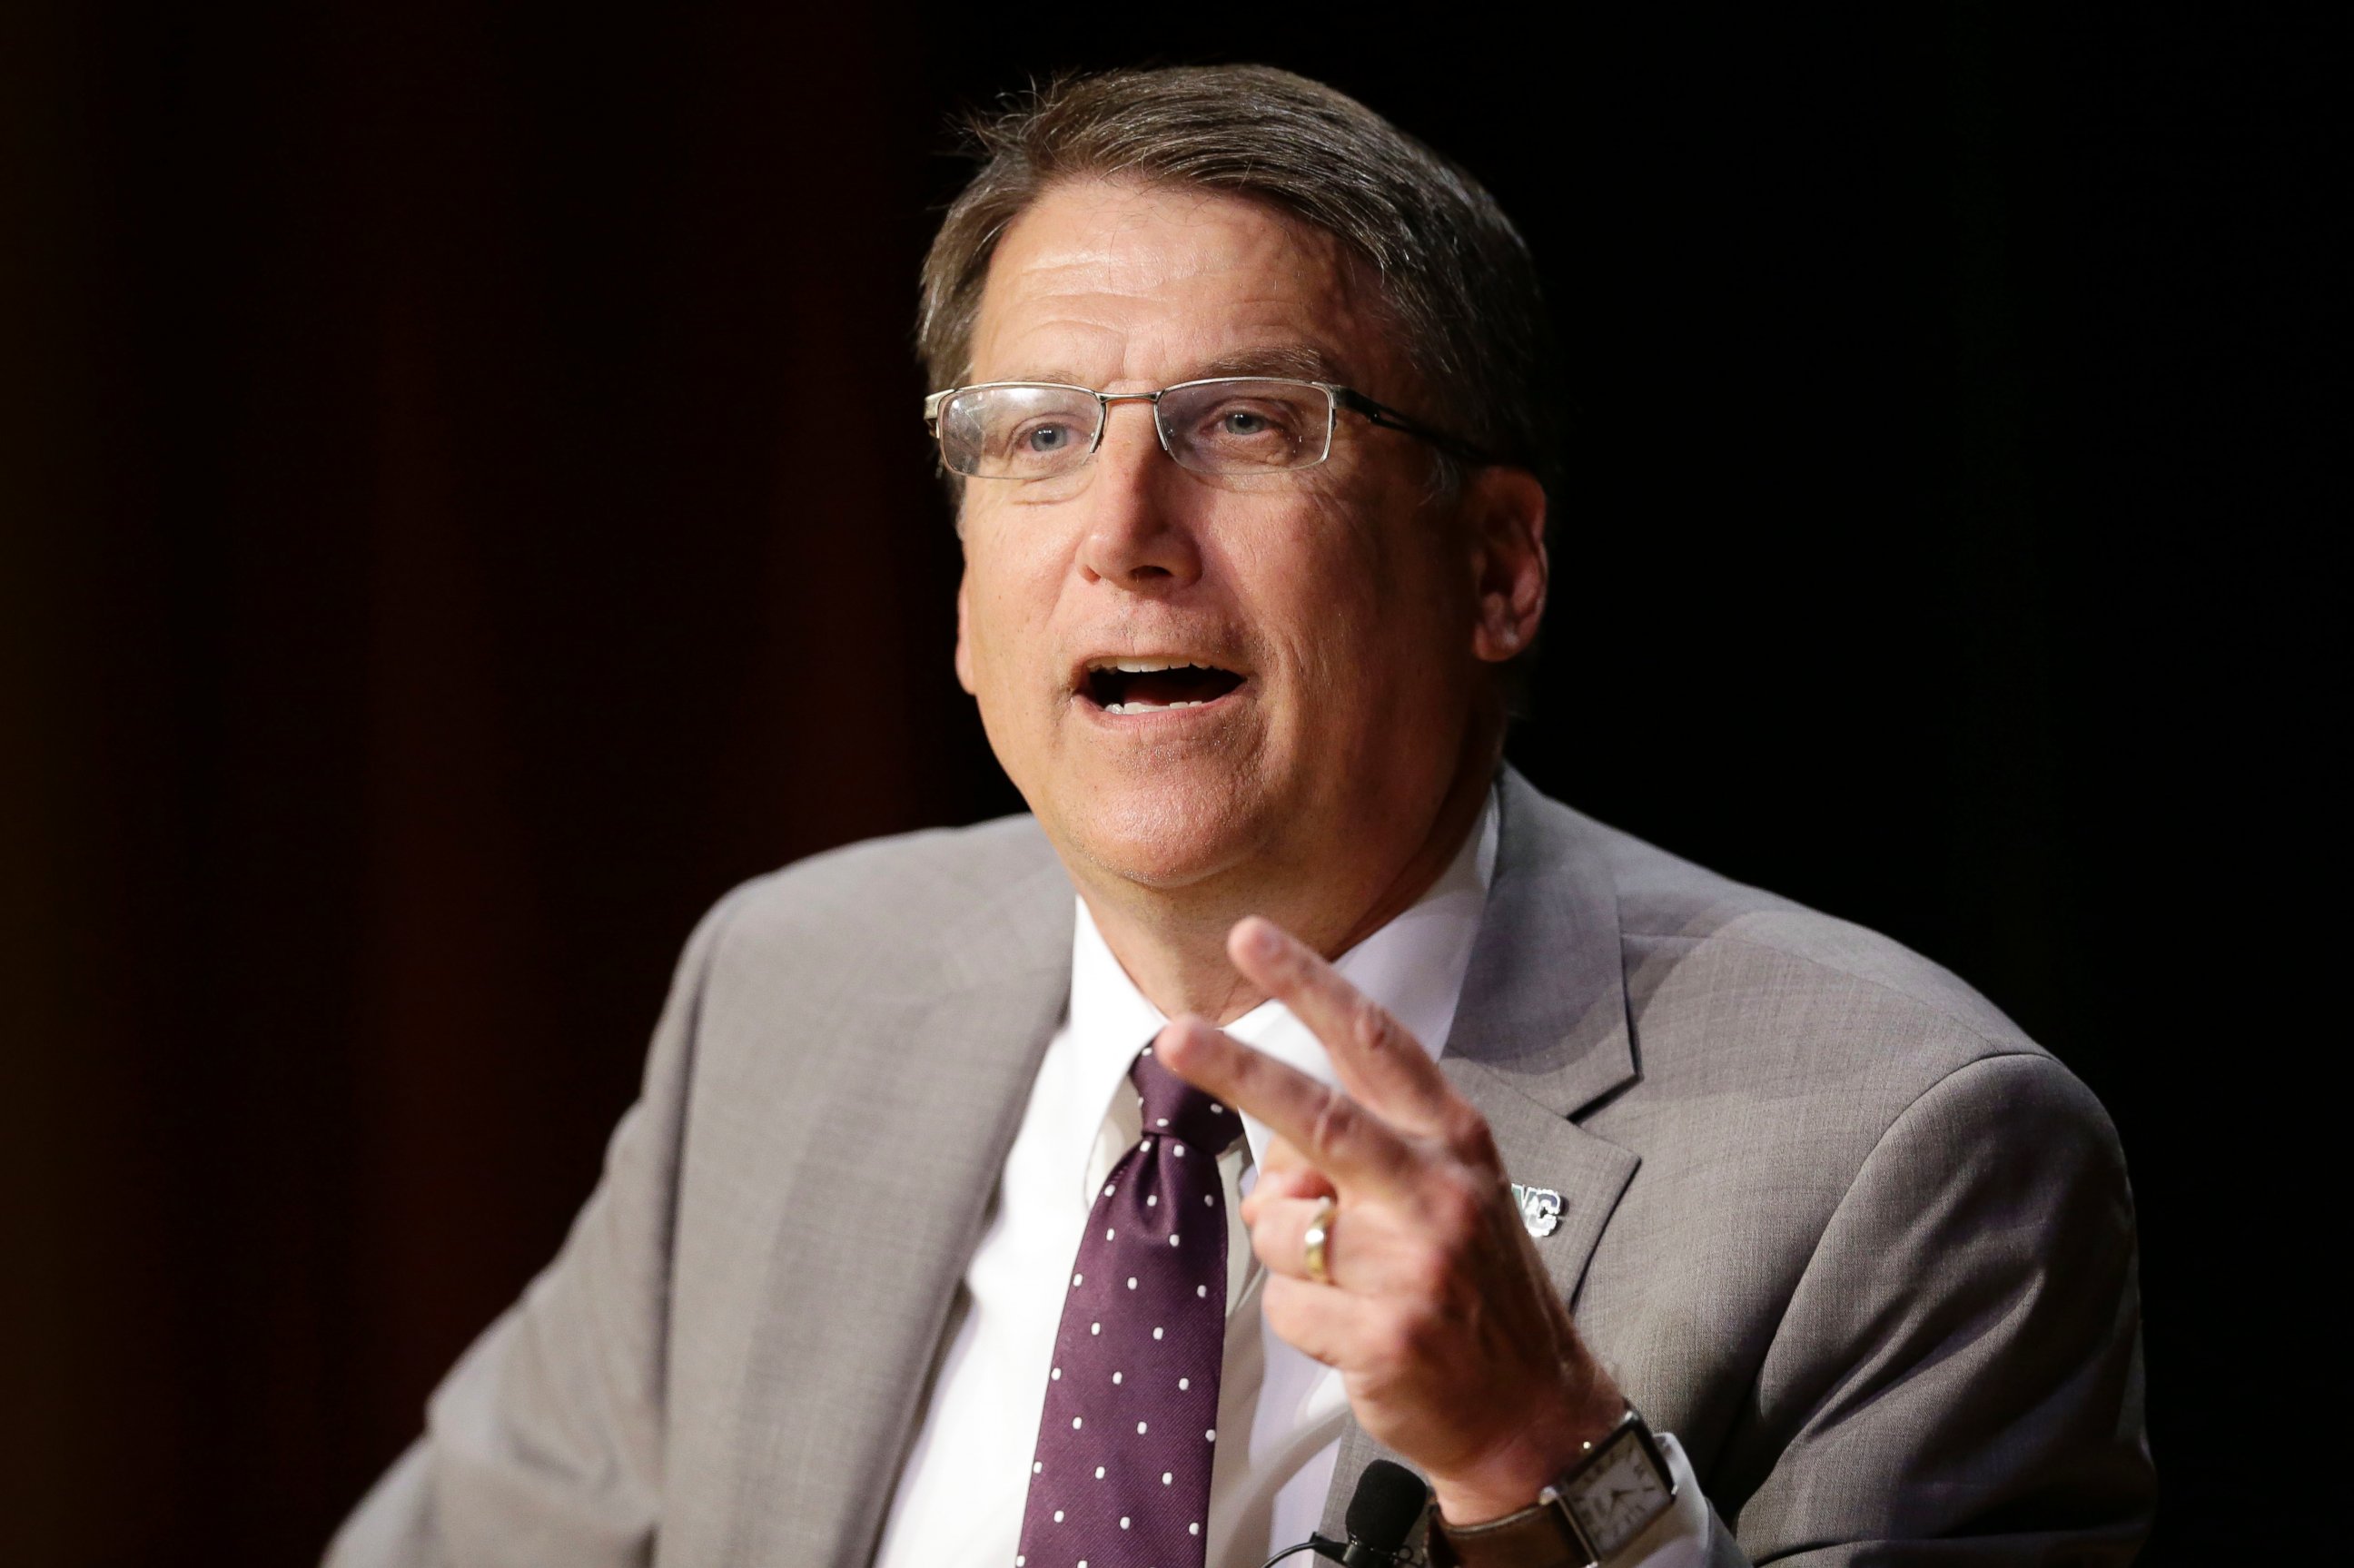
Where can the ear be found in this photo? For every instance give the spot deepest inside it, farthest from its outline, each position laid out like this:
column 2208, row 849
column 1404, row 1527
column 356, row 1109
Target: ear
column 1506, row 511
column 964, row 641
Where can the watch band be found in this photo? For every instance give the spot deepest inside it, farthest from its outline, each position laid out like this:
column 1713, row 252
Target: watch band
column 1545, row 1534
column 1533, row 1538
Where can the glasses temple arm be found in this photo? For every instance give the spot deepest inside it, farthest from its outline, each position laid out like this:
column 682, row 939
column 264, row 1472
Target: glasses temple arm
column 1389, row 417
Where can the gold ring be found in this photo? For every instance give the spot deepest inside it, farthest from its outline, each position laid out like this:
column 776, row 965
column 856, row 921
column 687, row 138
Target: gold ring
column 1319, row 1241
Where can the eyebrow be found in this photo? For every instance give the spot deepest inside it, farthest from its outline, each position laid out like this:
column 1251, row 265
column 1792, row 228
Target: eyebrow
column 1301, row 360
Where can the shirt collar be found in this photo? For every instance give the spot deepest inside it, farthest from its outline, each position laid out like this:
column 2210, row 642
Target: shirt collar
column 1414, row 966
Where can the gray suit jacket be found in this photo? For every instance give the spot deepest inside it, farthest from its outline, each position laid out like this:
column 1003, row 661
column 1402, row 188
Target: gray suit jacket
column 1826, row 1215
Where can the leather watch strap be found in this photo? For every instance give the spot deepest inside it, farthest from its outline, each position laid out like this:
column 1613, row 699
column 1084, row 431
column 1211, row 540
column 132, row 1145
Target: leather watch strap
column 1536, row 1537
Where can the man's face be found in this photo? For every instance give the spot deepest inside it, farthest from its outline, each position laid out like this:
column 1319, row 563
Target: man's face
column 1336, row 604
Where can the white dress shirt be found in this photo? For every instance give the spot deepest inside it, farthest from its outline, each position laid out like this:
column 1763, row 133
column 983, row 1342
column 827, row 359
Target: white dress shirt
column 959, row 1497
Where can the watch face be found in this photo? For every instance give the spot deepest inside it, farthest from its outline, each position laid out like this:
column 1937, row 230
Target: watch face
column 1619, row 1494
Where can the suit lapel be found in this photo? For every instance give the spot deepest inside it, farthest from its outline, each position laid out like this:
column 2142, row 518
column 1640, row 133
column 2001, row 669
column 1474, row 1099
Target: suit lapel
column 940, row 1080
column 1541, row 1036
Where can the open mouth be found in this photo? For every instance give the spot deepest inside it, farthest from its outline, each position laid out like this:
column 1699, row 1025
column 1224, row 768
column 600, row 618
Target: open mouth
column 1154, row 685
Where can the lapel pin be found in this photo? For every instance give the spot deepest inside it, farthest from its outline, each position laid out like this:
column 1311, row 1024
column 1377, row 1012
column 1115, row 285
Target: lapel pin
column 1540, row 1208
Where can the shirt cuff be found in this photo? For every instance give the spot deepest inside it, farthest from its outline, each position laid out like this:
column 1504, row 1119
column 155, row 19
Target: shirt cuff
column 1679, row 1537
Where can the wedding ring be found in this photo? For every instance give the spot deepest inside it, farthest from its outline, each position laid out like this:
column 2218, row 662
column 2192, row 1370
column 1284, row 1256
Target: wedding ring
column 1318, row 1242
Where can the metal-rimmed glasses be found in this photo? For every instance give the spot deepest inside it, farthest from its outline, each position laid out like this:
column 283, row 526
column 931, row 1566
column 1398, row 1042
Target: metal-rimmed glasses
column 1224, row 425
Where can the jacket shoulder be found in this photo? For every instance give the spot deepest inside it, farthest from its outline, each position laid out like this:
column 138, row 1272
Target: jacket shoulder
column 941, row 869
column 887, row 898
column 1812, row 990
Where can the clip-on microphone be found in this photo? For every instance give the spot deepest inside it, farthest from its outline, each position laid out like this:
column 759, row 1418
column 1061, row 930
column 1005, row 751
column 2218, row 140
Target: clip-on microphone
column 1381, row 1510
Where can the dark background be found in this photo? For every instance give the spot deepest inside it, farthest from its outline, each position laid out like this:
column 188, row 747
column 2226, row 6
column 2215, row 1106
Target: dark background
column 462, row 508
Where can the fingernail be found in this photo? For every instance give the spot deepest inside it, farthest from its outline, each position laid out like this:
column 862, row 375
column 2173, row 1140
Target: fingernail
column 1264, row 940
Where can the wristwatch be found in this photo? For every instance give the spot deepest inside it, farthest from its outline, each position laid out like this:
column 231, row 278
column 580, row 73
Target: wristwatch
column 1615, row 1488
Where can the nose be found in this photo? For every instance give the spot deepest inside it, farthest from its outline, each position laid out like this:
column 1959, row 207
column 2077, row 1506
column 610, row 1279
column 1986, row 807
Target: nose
column 1138, row 534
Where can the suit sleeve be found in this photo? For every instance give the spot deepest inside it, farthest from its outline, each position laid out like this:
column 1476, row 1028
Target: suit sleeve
column 544, row 1444
column 1957, row 1378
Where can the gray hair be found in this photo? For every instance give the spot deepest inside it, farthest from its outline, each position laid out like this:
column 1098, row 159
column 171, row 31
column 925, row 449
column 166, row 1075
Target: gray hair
column 1455, row 274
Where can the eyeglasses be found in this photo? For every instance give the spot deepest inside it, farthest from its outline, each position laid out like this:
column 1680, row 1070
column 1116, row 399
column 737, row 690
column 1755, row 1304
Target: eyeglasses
column 1229, row 425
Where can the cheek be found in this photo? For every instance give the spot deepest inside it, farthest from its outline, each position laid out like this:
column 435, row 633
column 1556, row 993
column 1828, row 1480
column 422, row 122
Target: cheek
column 1355, row 587
column 1008, row 598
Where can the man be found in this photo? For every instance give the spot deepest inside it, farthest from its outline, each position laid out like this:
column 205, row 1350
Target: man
column 1363, row 1101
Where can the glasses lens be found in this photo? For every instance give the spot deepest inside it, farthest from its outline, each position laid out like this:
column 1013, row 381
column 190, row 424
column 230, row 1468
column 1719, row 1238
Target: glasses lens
column 1018, row 433
column 1247, row 425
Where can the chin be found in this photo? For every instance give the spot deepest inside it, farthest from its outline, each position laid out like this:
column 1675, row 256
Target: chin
column 1160, row 832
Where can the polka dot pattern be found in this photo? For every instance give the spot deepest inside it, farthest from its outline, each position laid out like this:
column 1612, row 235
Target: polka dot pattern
column 1121, row 1476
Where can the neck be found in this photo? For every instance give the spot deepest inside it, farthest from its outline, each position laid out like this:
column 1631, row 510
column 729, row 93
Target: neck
column 1174, row 944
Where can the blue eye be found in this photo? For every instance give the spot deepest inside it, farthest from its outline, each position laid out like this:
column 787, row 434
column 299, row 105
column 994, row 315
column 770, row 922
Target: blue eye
column 1048, row 438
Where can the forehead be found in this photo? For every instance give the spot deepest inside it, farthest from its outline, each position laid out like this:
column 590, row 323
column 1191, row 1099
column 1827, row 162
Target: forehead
column 1106, row 285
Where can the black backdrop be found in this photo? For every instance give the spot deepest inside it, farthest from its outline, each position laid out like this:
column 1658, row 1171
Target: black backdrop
column 461, row 508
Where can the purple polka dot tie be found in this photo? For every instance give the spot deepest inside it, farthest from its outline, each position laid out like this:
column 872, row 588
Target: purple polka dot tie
column 1121, row 1477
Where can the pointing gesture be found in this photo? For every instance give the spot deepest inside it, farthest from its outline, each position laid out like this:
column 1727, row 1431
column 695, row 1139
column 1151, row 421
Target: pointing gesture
column 1425, row 1291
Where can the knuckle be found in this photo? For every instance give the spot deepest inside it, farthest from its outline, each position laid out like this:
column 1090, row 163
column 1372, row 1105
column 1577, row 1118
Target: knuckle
column 1336, row 1122
column 1276, row 1243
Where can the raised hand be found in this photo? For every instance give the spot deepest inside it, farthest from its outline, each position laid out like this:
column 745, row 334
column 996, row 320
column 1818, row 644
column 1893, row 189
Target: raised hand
column 1434, row 1305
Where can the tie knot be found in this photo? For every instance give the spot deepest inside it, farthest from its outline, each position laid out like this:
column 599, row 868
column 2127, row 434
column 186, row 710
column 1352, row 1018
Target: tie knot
column 1175, row 1109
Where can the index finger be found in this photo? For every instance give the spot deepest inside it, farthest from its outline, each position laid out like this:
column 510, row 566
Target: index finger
column 1377, row 1060
column 1343, row 1138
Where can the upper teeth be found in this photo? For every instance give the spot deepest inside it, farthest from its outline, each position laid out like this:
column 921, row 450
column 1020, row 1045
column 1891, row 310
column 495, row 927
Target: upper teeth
column 1151, row 666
